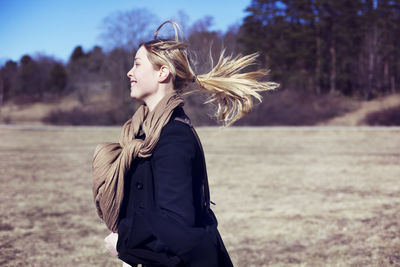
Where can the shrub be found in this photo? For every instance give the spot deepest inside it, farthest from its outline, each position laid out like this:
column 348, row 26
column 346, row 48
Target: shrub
column 294, row 108
column 79, row 116
column 386, row 117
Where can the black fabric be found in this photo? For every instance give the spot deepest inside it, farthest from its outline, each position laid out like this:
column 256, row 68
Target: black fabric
column 164, row 218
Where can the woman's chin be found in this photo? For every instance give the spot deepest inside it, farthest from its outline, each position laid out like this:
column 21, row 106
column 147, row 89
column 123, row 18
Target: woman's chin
column 136, row 97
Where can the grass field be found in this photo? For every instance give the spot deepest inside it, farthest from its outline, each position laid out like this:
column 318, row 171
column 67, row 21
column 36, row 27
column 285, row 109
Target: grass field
column 312, row 196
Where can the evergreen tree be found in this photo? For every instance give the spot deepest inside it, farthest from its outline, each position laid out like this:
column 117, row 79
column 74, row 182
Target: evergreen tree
column 388, row 23
column 28, row 80
column 77, row 54
column 8, row 79
column 264, row 30
column 57, row 79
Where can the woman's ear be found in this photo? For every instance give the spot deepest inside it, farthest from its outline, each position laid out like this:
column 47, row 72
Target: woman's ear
column 163, row 74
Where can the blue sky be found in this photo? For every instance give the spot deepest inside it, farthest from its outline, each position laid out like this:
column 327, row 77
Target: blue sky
column 55, row 28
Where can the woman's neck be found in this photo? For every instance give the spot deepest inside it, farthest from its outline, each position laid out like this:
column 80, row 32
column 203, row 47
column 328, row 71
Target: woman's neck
column 153, row 99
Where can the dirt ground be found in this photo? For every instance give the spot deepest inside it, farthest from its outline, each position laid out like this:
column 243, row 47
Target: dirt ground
column 301, row 196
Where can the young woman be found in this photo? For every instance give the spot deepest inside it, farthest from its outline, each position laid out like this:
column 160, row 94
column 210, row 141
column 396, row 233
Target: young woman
column 151, row 188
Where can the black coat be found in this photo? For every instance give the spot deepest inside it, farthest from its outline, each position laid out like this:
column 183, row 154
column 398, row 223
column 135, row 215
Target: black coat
column 165, row 219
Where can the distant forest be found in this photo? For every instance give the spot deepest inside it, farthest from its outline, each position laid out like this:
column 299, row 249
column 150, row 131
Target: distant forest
column 346, row 48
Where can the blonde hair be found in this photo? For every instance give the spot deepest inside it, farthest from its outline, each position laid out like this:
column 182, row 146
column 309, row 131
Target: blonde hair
column 229, row 89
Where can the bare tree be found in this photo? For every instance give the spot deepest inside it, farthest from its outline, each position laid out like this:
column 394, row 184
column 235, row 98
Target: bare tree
column 205, row 45
column 183, row 19
column 126, row 29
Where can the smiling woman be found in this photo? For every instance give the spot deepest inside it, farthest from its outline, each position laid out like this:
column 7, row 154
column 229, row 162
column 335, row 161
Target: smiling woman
column 145, row 79
column 151, row 188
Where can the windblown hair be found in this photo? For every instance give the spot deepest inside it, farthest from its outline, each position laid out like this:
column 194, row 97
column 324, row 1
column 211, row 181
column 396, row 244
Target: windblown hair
column 230, row 90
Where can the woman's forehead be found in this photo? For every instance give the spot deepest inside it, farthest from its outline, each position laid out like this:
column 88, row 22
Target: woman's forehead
column 141, row 53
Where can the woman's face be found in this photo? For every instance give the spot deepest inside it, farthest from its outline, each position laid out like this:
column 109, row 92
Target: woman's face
column 143, row 76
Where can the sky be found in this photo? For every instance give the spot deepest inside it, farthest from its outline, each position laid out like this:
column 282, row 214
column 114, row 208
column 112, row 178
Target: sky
column 54, row 27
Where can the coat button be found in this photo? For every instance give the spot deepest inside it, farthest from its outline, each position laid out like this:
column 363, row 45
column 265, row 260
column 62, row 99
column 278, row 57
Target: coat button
column 139, row 185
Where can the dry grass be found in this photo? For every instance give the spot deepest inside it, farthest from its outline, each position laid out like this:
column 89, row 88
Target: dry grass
column 285, row 196
column 33, row 113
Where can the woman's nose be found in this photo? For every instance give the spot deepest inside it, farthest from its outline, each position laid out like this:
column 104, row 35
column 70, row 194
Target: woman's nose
column 129, row 74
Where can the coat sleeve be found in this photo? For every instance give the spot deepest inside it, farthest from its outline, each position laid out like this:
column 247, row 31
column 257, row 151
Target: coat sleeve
column 172, row 220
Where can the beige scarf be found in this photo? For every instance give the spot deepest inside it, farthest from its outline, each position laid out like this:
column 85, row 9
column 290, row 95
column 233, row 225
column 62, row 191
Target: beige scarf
column 111, row 161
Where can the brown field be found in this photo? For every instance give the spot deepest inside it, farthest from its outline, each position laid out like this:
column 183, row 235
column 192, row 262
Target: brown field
column 312, row 196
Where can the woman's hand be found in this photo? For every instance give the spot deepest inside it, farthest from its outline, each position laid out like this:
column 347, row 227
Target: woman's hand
column 111, row 243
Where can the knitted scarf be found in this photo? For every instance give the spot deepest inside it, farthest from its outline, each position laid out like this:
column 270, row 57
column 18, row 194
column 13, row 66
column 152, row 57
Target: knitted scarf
column 111, row 161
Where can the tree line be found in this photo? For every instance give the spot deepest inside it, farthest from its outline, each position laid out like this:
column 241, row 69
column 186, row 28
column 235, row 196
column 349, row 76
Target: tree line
column 321, row 47
column 348, row 47
column 45, row 78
